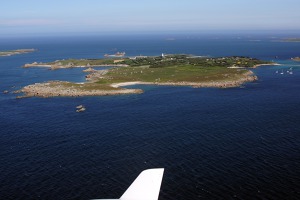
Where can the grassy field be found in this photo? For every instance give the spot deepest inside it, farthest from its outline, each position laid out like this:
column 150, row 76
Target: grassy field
column 175, row 74
column 164, row 61
column 171, row 74
column 83, row 62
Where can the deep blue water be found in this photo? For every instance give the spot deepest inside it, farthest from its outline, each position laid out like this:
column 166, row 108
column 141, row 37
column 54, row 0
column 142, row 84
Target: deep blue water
column 237, row 143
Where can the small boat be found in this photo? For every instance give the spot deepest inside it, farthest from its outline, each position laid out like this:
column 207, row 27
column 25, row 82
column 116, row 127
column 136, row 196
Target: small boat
column 281, row 72
column 80, row 108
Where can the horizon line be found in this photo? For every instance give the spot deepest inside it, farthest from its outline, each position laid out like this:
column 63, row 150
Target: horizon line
column 155, row 32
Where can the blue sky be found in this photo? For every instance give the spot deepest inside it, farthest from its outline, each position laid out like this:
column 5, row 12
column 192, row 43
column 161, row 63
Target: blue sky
column 109, row 16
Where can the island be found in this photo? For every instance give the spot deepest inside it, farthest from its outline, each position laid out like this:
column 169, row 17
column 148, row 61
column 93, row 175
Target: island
column 173, row 70
column 291, row 40
column 15, row 52
column 296, row 58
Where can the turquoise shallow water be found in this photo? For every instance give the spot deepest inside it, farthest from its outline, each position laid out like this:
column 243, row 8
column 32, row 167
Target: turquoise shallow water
column 237, row 143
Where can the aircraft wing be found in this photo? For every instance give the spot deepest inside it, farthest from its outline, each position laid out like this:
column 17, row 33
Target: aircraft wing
column 146, row 186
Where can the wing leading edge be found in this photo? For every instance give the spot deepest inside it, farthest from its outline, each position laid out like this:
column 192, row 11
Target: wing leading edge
column 146, row 186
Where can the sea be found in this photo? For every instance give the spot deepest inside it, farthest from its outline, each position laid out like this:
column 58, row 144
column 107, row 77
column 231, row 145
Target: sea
column 234, row 143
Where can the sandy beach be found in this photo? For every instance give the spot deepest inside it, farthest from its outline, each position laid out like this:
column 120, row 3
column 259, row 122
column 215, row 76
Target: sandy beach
column 259, row 65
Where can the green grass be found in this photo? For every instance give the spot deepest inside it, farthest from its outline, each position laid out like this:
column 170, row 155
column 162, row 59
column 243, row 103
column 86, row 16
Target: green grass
column 182, row 60
column 186, row 73
column 172, row 69
column 83, row 62
column 173, row 74
column 167, row 61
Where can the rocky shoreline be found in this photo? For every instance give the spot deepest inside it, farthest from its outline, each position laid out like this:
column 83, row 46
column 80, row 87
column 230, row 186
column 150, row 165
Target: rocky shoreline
column 58, row 89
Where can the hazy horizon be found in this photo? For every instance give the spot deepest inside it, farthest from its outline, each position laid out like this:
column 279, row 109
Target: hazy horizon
column 38, row 18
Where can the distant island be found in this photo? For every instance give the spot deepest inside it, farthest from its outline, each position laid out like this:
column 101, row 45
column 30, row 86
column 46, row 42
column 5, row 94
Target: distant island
column 175, row 69
column 15, row 52
column 296, row 58
column 291, row 40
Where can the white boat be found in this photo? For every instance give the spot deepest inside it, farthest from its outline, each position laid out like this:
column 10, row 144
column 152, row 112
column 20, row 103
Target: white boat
column 80, row 108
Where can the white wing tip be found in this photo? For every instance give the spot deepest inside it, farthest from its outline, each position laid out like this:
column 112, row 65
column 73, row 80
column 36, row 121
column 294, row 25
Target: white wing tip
column 146, row 186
